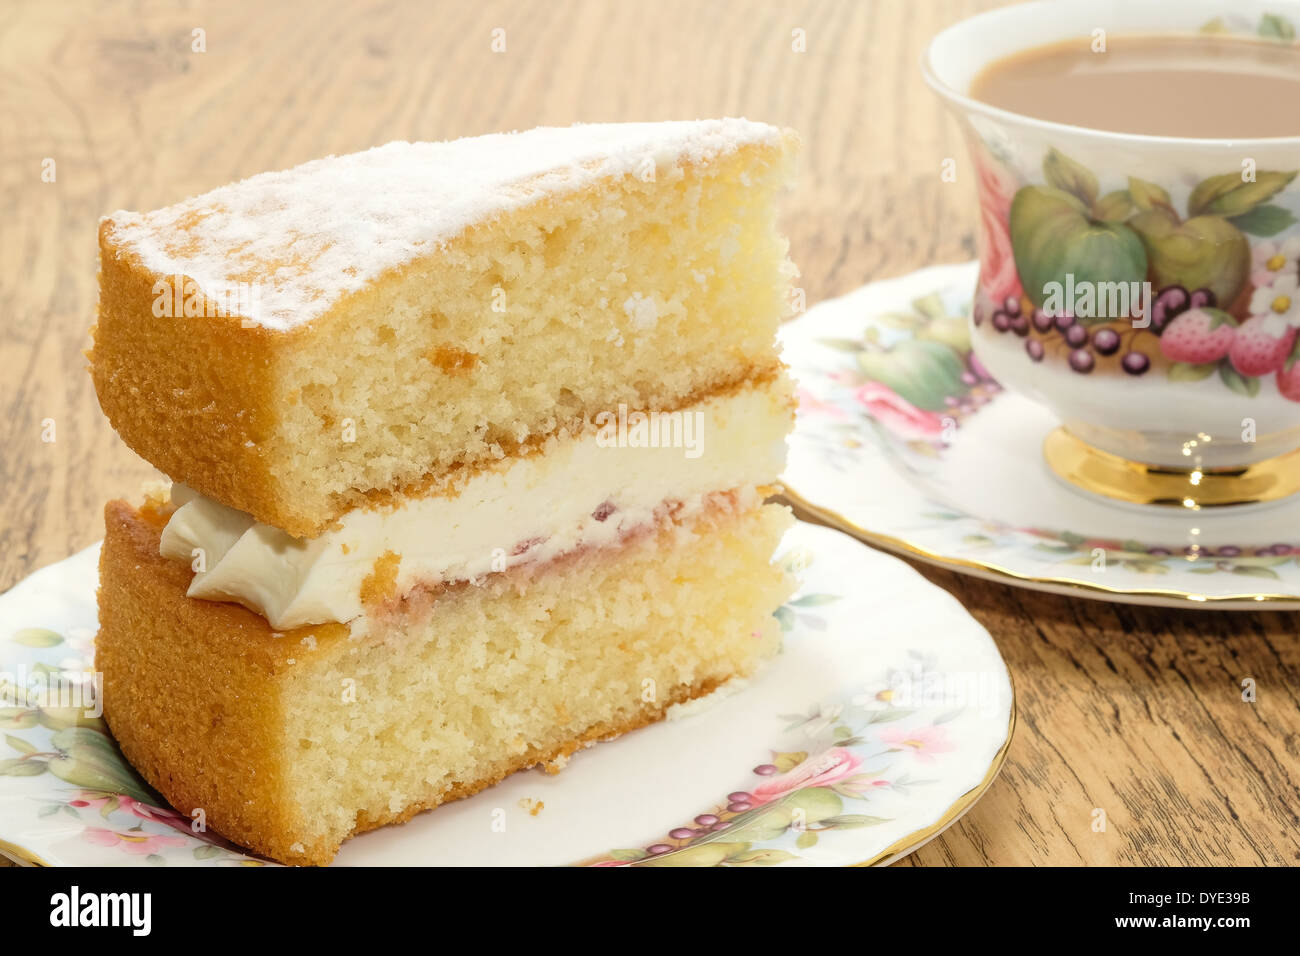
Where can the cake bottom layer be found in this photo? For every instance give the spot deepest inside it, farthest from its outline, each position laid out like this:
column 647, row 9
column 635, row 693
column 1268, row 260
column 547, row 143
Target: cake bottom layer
column 290, row 742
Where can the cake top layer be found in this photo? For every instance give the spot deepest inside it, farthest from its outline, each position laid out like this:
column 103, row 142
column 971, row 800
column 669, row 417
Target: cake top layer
column 287, row 245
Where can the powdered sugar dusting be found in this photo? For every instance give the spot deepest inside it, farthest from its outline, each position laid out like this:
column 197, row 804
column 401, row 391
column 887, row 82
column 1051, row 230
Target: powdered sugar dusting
column 310, row 235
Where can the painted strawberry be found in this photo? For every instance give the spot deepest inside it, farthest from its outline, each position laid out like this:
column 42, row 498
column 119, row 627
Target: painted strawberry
column 1199, row 336
column 1260, row 346
column 1288, row 377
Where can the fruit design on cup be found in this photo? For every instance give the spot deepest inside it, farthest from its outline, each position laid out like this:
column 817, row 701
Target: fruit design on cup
column 1209, row 289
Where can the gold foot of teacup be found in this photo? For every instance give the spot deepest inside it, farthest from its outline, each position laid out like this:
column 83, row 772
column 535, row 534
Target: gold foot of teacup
column 1103, row 473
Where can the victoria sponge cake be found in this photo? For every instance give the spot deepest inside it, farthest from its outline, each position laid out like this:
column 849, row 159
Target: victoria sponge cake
column 469, row 447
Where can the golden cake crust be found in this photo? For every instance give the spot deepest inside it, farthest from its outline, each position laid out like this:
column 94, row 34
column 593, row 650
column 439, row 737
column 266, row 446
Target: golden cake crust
column 190, row 713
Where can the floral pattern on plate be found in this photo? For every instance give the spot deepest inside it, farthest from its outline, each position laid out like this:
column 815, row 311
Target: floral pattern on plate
column 890, row 396
column 854, row 750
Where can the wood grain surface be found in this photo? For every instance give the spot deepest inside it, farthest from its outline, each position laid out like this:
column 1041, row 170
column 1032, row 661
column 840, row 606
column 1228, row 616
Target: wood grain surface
column 1136, row 711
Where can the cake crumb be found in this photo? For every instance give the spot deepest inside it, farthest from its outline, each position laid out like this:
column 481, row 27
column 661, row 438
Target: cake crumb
column 556, row 764
column 533, row 807
column 309, row 641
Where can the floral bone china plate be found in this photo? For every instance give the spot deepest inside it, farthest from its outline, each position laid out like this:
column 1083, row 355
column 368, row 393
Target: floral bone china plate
column 885, row 717
column 905, row 440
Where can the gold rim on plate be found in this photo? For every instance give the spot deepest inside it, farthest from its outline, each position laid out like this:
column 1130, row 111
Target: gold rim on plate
column 832, row 518
column 20, row 855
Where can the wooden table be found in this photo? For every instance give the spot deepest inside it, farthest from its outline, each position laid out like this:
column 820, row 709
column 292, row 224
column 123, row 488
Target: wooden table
column 1132, row 710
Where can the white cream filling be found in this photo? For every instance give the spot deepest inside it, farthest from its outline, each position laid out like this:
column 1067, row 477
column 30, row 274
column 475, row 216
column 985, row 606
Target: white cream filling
column 578, row 492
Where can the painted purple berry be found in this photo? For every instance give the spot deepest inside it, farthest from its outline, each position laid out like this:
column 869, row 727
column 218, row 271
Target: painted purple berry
column 1001, row 321
column 1012, row 305
column 1169, row 303
column 1076, row 336
column 1035, row 349
column 1042, row 321
column 1105, row 341
column 977, row 314
column 681, row 833
column 763, row 770
column 1081, row 361
column 720, row 825
column 1159, row 552
column 1064, row 321
column 1228, row 551
column 706, row 819
column 658, row 848
column 740, row 796
column 1135, row 363
column 1202, row 298
column 968, row 378
column 1020, row 325
column 739, row 806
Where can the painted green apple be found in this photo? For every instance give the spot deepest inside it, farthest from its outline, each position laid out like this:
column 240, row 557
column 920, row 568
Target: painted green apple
column 705, row 854
column 86, row 758
column 1205, row 252
column 59, row 718
column 951, row 330
column 922, row 371
column 1053, row 235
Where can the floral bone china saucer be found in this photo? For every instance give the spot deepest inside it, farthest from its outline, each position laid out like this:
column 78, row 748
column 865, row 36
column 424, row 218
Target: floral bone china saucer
column 905, row 440
column 885, row 717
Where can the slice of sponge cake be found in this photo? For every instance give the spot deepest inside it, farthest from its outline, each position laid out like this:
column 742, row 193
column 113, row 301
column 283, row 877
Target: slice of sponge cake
column 470, row 444
column 297, row 343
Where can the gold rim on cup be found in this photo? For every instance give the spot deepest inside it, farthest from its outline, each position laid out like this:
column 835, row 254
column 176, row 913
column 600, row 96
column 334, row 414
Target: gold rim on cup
column 1111, row 476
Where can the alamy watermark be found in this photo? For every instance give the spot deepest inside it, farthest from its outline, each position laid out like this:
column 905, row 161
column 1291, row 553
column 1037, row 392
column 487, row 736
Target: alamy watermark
column 628, row 429
column 180, row 296
column 45, row 690
column 1085, row 299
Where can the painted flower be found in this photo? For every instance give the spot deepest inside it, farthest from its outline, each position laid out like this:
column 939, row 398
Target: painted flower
column 880, row 700
column 818, row 771
column 808, row 402
column 135, row 842
column 996, row 188
column 862, row 784
column 925, row 742
column 1274, row 260
column 1280, row 303
column 898, row 414
column 97, row 800
column 822, row 719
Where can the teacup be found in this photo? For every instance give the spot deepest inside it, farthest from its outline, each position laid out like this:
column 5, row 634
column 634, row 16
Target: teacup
column 1137, row 423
